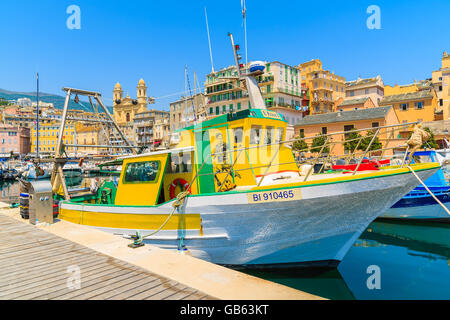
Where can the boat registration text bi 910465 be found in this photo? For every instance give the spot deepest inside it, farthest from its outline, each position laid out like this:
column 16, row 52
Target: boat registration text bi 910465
column 275, row 196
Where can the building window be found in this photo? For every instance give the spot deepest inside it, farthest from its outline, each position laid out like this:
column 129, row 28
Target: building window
column 302, row 133
column 441, row 102
column 352, row 93
column 239, row 106
column 324, row 130
column 418, row 105
column 348, row 128
column 404, row 106
column 375, row 124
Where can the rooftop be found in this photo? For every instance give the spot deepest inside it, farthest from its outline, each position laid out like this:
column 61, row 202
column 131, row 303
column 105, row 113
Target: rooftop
column 424, row 94
column 360, row 81
column 351, row 102
column 345, row 116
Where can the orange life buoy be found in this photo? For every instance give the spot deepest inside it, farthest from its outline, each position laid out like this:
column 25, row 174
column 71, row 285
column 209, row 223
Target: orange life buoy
column 183, row 183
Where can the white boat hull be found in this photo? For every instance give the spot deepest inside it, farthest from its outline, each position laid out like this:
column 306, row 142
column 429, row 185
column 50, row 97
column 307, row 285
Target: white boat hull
column 319, row 228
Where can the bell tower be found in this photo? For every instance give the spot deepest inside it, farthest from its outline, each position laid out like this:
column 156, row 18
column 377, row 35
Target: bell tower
column 142, row 92
column 118, row 94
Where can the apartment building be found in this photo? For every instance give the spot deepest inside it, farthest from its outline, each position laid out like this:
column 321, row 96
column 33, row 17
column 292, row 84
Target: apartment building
column 325, row 87
column 412, row 102
column 182, row 111
column 48, row 136
column 144, row 124
column 365, row 88
column 441, row 83
column 14, row 140
column 280, row 86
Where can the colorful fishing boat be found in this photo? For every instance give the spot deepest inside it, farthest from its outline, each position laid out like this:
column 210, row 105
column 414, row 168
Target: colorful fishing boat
column 231, row 192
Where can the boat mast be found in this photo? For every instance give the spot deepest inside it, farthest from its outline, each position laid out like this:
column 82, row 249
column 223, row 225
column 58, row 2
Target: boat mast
column 209, row 41
column 252, row 87
column 244, row 16
column 37, row 117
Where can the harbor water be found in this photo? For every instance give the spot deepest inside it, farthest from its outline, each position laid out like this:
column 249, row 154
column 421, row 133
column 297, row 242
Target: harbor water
column 390, row 260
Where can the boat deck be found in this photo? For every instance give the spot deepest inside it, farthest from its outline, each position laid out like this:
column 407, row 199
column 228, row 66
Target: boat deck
column 35, row 264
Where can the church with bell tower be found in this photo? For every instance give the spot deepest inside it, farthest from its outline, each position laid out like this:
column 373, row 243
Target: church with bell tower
column 125, row 109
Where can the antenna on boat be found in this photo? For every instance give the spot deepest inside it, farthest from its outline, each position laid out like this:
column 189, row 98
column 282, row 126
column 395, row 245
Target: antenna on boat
column 209, row 41
column 244, row 17
column 255, row 69
column 191, row 97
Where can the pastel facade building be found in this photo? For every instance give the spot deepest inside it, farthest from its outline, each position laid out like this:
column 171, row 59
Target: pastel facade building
column 280, row 86
column 364, row 88
column 355, row 104
column 182, row 111
column 48, row 136
column 441, row 83
column 14, row 140
column 144, row 124
column 325, row 87
column 88, row 137
column 334, row 122
column 420, row 105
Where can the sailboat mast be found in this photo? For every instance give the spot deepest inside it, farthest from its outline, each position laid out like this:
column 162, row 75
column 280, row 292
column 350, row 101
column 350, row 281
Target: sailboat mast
column 244, row 16
column 37, row 117
column 209, row 41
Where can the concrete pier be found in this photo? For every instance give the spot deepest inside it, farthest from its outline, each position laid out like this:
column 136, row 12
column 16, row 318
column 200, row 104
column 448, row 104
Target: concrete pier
column 42, row 262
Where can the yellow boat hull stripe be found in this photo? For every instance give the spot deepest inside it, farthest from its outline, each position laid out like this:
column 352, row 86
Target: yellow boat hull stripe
column 131, row 221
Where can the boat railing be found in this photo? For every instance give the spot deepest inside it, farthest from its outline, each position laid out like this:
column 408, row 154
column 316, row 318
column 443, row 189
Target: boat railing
column 323, row 152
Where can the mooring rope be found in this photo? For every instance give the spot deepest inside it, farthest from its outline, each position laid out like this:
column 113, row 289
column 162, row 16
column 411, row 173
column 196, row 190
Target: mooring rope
column 178, row 203
column 429, row 191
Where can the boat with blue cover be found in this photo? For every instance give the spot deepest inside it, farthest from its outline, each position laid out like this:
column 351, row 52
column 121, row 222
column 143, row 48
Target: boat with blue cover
column 419, row 204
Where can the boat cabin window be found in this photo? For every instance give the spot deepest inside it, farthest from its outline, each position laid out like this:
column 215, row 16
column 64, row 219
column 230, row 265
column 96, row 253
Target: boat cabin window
column 255, row 134
column 238, row 135
column 280, row 133
column 270, row 135
column 142, row 172
column 180, row 163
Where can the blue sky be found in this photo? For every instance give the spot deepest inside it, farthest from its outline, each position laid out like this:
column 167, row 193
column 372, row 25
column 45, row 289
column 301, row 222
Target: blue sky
column 128, row 40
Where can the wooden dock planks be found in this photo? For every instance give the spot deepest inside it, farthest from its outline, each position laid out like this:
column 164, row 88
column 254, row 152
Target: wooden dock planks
column 34, row 265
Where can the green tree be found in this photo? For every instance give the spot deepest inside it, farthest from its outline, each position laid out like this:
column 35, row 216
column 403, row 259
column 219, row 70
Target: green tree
column 376, row 144
column 317, row 144
column 351, row 145
column 300, row 145
column 3, row 102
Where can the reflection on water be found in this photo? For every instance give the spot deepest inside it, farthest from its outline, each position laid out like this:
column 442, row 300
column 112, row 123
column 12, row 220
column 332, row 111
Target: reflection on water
column 414, row 261
column 9, row 191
